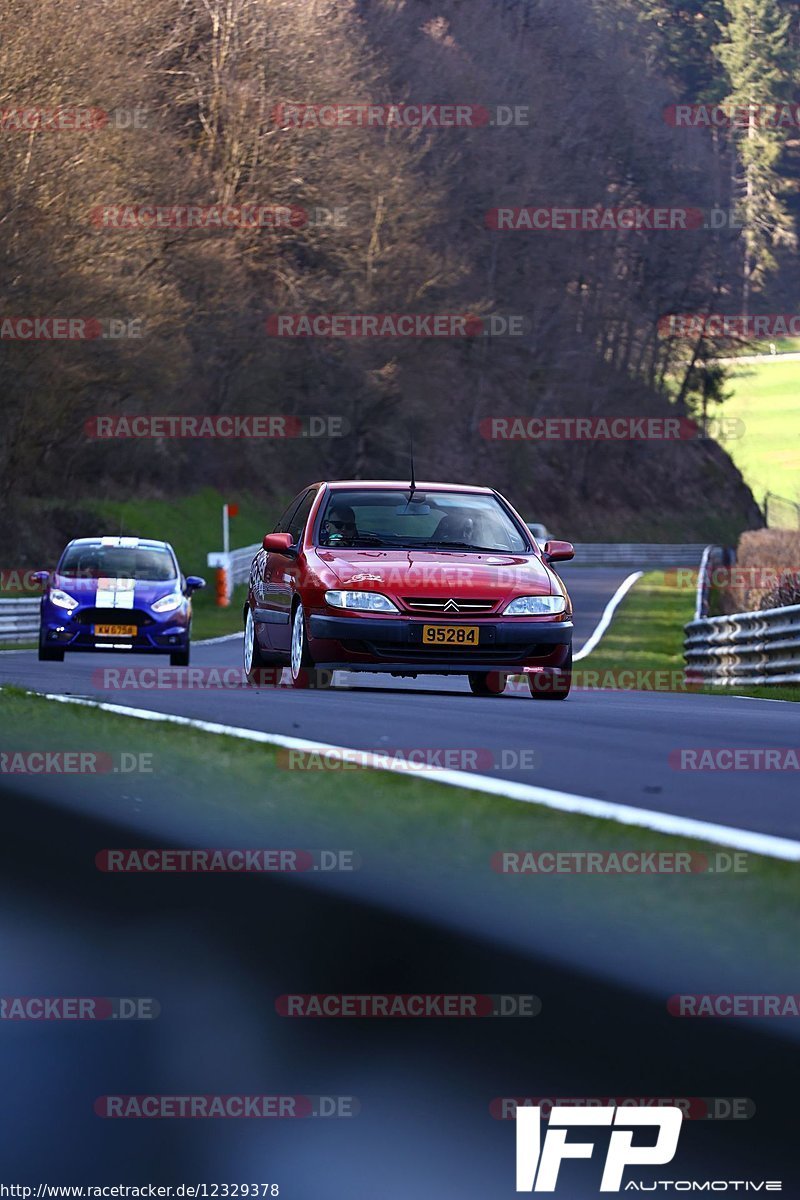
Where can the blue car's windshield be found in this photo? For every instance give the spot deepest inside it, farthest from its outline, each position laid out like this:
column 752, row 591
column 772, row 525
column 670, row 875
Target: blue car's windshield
column 469, row 521
column 154, row 563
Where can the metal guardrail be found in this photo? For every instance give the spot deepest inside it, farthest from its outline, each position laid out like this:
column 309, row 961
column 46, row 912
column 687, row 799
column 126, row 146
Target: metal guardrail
column 19, row 620
column 746, row 648
column 240, row 561
column 638, row 554
column 713, row 557
column 236, row 564
column 707, row 563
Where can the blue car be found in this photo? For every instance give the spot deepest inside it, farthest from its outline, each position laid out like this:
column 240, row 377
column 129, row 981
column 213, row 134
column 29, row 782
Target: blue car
column 117, row 593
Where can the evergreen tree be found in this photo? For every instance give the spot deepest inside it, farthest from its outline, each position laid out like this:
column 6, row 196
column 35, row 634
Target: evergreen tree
column 682, row 34
column 755, row 52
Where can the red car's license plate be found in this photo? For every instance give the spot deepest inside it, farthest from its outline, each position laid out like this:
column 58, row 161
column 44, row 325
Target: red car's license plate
column 451, row 635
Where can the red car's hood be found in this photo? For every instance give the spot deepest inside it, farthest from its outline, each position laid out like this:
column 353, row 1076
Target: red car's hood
column 434, row 573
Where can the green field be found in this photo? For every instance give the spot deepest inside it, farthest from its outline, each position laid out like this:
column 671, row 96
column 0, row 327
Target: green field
column 766, row 397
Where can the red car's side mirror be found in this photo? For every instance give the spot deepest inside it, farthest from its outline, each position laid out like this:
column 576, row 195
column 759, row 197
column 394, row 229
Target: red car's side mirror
column 277, row 543
column 558, row 551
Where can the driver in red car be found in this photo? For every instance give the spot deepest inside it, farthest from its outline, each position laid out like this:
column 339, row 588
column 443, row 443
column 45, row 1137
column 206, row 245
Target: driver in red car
column 340, row 527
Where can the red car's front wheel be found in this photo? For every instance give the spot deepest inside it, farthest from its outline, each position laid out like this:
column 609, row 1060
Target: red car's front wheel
column 551, row 683
column 487, row 683
column 304, row 674
column 259, row 671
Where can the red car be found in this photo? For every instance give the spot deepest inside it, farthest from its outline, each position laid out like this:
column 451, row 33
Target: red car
column 409, row 579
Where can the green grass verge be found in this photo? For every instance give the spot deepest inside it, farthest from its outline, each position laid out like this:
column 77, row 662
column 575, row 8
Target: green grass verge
column 433, row 842
column 193, row 525
column 647, row 633
column 210, row 621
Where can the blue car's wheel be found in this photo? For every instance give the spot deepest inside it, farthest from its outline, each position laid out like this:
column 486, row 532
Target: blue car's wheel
column 49, row 653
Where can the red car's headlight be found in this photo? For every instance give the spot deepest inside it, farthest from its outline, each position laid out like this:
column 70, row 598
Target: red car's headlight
column 535, row 606
column 361, row 601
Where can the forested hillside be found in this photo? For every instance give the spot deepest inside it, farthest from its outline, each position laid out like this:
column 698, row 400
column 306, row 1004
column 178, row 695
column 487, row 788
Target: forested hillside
column 397, row 223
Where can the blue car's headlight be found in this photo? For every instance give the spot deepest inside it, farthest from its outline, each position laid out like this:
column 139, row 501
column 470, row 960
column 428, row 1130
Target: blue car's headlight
column 168, row 603
column 62, row 600
column 535, row 606
column 361, row 601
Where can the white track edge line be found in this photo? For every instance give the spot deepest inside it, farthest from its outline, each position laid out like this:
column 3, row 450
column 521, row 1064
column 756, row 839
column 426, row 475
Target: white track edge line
column 225, row 637
column 722, row 835
column 608, row 612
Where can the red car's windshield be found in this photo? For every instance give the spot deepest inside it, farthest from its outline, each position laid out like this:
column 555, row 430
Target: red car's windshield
column 427, row 520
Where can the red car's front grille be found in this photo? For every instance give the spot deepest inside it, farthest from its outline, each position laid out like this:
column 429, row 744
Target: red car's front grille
column 450, row 607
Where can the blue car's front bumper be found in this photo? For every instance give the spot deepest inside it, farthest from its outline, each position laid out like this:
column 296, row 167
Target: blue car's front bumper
column 75, row 630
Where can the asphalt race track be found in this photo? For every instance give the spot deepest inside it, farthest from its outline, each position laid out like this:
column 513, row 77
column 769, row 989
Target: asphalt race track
column 610, row 745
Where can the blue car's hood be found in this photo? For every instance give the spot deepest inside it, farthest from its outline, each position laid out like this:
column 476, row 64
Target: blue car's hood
column 115, row 593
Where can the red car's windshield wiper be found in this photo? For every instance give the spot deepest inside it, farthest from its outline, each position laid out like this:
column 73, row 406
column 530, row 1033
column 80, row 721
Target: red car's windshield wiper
column 371, row 539
column 462, row 546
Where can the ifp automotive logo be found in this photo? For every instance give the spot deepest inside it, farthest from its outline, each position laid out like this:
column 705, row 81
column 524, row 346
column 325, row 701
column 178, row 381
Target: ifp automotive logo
column 538, row 1165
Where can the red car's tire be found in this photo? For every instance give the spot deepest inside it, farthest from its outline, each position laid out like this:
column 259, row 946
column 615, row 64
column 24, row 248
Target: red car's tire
column 258, row 669
column 551, row 683
column 313, row 679
column 301, row 665
column 487, row 683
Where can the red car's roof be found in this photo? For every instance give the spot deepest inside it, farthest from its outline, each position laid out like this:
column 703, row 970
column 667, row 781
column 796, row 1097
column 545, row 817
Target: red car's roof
column 404, row 484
